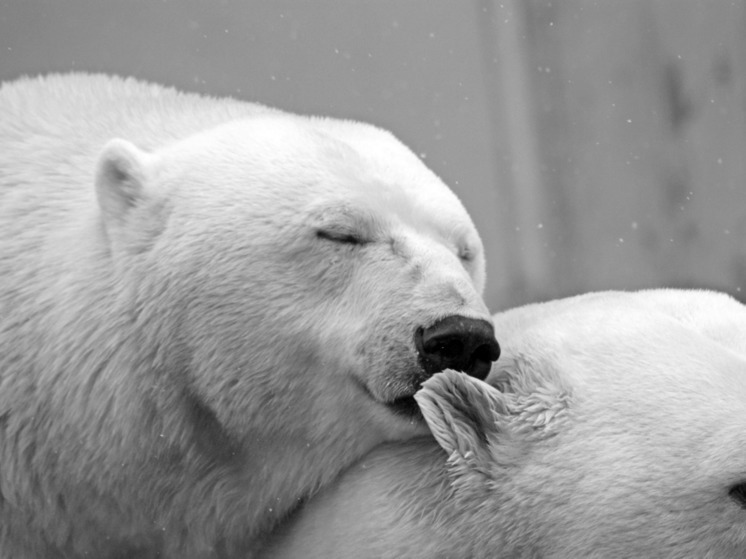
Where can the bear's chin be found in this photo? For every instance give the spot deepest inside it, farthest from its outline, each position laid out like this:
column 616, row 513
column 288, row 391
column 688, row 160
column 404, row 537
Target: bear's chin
column 403, row 406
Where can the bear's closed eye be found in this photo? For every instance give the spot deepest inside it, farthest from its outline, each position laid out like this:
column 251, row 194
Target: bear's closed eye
column 346, row 237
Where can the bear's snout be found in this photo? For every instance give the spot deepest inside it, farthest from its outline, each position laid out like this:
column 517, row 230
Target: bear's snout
column 460, row 343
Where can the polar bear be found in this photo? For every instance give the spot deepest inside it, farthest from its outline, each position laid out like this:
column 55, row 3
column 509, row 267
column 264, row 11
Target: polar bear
column 613, row 426
column 208, row 309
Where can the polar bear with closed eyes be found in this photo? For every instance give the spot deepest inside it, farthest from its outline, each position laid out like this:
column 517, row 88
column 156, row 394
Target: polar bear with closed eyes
column 208, row 309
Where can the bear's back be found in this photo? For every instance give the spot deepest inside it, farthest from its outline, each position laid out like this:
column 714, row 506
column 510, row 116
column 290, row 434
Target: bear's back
column 52, row 129
column 79, row 112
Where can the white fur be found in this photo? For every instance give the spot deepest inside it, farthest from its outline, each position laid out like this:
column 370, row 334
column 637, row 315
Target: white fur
column 182, row 357
column 617, row 431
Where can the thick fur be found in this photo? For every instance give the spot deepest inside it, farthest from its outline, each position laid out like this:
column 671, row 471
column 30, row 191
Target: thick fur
column 613, row 427
column 206, row 308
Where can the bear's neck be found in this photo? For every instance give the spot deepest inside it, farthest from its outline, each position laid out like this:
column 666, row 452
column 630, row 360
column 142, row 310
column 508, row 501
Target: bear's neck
column 228, row 497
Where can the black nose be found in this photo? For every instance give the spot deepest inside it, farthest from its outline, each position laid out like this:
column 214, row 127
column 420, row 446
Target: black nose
column 457, row 342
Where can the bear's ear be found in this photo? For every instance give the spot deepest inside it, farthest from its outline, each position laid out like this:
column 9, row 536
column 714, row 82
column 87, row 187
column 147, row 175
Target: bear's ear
column 120, row 179
column 539, row 395
column 468, row 418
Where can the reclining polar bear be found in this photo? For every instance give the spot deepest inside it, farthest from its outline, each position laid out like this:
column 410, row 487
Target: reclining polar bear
column 208, row 309
column 615, row 427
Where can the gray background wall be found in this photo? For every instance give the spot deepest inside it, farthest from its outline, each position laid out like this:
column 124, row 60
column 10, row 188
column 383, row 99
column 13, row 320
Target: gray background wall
column 596, row 144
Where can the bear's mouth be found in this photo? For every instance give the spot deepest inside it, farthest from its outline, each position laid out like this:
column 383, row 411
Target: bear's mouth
column 405, row 406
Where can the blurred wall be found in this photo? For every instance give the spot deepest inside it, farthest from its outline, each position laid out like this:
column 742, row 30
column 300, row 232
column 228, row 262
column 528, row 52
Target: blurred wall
column 637, row 112
column 596, row 144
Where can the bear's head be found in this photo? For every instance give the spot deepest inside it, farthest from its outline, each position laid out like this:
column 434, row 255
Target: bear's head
column 294, row 280
column 614, row 426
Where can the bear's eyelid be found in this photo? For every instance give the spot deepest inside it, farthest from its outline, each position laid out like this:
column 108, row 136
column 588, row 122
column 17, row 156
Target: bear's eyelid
column 341, row 235
column 342, row 225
